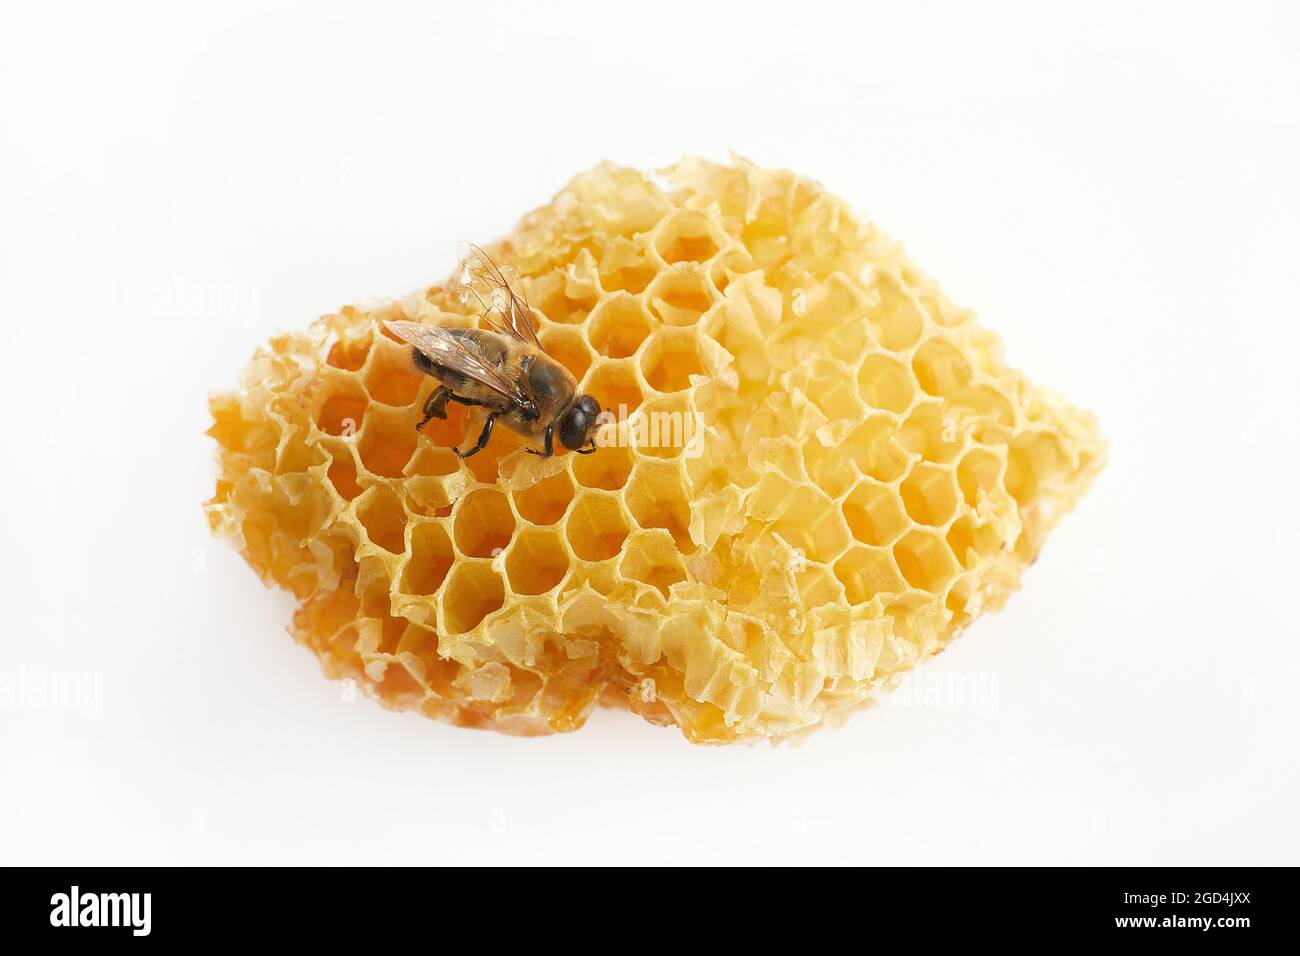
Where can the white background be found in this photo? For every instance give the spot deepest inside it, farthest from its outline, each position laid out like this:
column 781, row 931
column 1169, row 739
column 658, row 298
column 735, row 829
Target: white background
column 1112, row 187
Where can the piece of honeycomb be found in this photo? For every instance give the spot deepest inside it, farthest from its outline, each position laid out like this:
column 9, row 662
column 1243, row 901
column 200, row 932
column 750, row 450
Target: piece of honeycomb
column 823, row 472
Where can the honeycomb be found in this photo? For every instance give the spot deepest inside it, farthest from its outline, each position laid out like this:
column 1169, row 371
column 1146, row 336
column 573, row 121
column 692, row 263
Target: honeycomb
column 820, row 473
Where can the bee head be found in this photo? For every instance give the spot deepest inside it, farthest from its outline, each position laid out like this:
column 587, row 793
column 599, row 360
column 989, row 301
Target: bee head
column 579, row 422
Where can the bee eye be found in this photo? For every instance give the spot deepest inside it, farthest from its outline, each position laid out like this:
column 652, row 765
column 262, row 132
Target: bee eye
column 579, row 420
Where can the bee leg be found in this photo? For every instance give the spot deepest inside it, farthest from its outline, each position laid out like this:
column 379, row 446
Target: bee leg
column 435, row 406
column 482, row 438
column 549, row 444
column 462, row 400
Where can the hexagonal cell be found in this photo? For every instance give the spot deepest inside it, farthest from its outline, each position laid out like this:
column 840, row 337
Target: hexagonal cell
column 810, row 522
column 618, row 326
column 875, row 451
column 848, row 339
column 298, row 515
column 386, row 442
column 428, row 497
column 885, row 383
column 384, row 519
column 979, row 472
column 896, row 319
column 431, row 558
column 349, row 353
column 654, row 560
column 551, row 295
column 614, row 385
column 342, row 409
column 473, row 591
column 926, row 561
column 656, row 496
column 985, row 403
column 569, row 348
column 688, row 237
column 874, row 514
column 969, row 540
column 625, row 267
column 679, row 296
column 545, row 502
column 342, row 475
column 665, row 427
column 932, row 433
column 669, row 361
column 929, row 494
column 817, row 585
column 940, row 367
column 608, row 468
column 390, row 377
column 830, row 386
column 484, row 523
column 422, row 641
column 866, row 572
column 537, row 562
column 432, row 461
column 596, row 528
column 393, row 630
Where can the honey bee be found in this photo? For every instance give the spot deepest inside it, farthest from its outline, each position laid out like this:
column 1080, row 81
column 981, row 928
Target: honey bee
column 502, row 368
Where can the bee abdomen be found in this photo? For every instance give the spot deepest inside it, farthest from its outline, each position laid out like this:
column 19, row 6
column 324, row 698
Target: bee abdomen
column 428, row 366
column 423, row 363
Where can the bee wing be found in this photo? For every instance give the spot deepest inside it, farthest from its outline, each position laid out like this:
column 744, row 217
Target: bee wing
column 439, row 345
column 517, row 317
